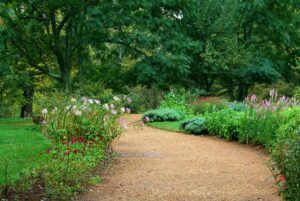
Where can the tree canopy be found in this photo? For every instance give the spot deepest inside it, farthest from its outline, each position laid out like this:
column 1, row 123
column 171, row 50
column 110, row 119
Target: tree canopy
column 222, row 47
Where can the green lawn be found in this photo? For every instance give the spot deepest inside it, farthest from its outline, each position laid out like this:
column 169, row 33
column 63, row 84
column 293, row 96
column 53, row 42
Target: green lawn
column 21, row 147
column 15, row 120
column 167, row 125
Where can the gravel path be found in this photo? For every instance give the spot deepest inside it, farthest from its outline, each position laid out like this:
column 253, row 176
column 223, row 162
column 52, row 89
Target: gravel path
column 161, row 165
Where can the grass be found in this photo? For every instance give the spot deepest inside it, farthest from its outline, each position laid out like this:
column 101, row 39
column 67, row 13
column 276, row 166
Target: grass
column 21, row 147
column 167, row 125
column 15, row 120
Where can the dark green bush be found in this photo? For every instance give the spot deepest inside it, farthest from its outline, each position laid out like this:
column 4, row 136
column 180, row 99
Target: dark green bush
column 225, row 123
column 286, row 154
column 195, row 125
column 162, row 115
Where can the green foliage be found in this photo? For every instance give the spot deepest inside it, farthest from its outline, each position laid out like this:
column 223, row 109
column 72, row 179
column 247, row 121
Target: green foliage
column 144, row 98
column 262, row 72
column 162, row 115
column 10, row 93
column 237, row 106
column 259, row 127
column 225, row 123
column 296, row 92
column 283, row 88
column 68, row 165
column 207, row 105
column 95, row 180
column 175, row 100
column 85, row 118
column 81, row 130
column 286, row 154
column 263, row 118
column 195, row 125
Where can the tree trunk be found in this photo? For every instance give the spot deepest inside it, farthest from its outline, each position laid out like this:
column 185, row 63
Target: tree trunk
column 230, row 88
column 66, row 81
column 242, row 91
column 26, row 109
column 206, row 82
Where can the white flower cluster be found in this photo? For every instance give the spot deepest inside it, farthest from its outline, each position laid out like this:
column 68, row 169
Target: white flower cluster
column 85, row 102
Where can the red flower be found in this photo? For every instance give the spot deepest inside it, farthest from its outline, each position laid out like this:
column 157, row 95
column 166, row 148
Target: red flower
column 73, row 140
column 80, row 139
column 75, row 151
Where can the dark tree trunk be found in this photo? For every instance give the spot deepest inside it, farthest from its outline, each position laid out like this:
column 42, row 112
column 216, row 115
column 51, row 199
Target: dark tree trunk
column 242, row 91
column 206, row 82
column 230, row 88
column 26, row 109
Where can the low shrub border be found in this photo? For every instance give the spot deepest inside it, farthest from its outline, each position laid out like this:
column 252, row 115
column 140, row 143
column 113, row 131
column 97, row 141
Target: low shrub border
column 165, row 114
column 196, row 125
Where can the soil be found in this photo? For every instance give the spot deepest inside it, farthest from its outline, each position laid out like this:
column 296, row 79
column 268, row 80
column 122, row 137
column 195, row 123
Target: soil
column 161, row 165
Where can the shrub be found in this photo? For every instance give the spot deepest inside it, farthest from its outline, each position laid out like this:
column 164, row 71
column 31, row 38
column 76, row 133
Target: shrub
column 176, row 100
column 86, row 118
column 207, row 105
column 263, row 118
column 263, row 90
column 144, row 98
column 81, row 130
column 10, row 103
column 225, row 123
column 286, row 154
column 259, row 126
column 195, row 125
column 162, row 115
column 237, row 106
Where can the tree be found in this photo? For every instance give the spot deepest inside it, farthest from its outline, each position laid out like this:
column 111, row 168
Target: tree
column 46, row 34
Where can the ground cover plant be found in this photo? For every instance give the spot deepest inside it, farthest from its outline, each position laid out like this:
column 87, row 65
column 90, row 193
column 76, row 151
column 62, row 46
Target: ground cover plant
column 195, row 125
column 159, row 115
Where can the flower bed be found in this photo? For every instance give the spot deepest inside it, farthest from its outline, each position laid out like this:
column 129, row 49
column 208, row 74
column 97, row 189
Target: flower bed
column 81, row 130
column 273, row 123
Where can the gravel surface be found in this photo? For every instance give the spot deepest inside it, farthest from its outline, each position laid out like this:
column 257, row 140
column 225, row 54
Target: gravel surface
column 161, row 165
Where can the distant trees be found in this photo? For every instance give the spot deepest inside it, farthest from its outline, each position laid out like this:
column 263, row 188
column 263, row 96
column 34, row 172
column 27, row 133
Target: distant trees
column 223, row 47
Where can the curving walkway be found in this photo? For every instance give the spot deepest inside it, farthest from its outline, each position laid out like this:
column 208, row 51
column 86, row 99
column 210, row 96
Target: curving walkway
column 161, row 165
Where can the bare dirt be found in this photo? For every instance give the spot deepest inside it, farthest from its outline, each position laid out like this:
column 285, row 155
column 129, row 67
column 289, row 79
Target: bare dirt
column 161, row 165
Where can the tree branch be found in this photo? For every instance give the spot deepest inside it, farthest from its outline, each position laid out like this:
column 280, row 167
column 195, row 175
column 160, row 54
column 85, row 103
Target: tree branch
column 62, row 23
